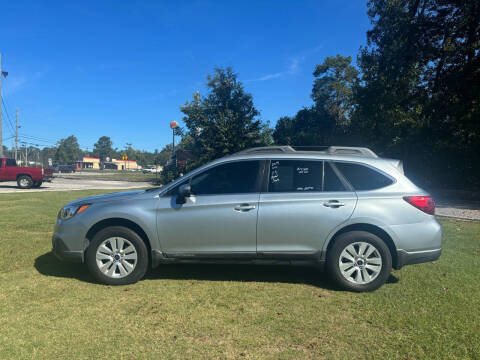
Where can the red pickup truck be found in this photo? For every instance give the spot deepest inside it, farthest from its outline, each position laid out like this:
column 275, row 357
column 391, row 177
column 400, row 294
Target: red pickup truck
column 26, row 177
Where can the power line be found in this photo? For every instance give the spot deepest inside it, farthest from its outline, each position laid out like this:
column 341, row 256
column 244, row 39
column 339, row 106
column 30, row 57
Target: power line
column 37, row 138
column 29, row 143
column 8, row 115
column 11, row 137
column 44, row 143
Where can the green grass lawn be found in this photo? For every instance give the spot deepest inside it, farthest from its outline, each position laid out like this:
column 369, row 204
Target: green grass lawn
column 53, row 310
column 134, row 176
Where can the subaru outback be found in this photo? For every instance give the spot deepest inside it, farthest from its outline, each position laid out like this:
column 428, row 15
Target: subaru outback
column 343, row 209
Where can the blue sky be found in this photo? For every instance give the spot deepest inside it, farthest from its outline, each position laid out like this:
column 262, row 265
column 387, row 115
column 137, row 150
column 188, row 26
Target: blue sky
column 123, row 68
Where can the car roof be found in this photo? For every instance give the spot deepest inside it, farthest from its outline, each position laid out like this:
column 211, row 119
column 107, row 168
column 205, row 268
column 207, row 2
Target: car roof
column 357, row 154
column 333, row 153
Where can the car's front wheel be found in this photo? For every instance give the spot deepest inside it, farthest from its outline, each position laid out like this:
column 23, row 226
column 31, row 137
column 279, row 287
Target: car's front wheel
column 117, row 256
column 359, row 261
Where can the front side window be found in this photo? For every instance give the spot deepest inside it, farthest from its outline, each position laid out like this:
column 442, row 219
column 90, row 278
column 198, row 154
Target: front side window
column 362, row 177
column 302, row 176
column 232, row 178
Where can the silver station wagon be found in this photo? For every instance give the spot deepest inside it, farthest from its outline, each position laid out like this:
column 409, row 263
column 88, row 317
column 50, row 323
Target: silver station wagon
column 343, row 209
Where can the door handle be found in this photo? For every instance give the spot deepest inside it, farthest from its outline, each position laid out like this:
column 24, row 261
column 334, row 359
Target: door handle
column 244, row 207
column 333, row 203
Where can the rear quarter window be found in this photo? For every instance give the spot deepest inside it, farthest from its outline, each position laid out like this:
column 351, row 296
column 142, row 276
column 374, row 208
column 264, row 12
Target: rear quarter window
column 362, row 177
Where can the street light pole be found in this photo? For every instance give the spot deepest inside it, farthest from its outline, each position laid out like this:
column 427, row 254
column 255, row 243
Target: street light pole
column 173, row 126
column 173, row 142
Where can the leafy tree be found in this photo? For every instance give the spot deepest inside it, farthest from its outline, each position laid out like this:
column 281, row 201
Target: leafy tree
column 420, row 93
column 103, row 148
column 223, row 122
column 48, row 153
column 266, row 135
column 164, row 154
column 284, row 131
column 68, row 151
column 309, row 127
column 333, row 88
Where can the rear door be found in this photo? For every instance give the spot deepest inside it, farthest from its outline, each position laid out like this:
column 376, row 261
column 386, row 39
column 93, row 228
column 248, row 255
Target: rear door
column 304, row 202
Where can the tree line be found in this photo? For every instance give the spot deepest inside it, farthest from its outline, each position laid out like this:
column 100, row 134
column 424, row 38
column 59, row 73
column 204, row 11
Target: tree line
column 68, row 151
column 413, row 94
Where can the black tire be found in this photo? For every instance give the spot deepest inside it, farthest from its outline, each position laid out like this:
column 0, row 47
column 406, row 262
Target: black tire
column 24, row 182
column 112, row 232
column 37, row 184
column 348, row 238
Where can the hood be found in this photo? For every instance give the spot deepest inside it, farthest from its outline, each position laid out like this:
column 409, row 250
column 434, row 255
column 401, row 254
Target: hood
column 124, row 195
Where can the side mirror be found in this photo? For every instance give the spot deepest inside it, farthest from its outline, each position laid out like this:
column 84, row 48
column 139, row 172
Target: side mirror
column 184, row 191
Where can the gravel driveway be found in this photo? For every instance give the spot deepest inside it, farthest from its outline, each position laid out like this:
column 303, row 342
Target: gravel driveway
column 468, row 210
column 61, row 184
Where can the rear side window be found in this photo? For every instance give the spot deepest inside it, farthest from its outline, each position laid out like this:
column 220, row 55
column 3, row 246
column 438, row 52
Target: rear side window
column 302, row 176
column 11, row 162
column 362, row 177
column 331, row 182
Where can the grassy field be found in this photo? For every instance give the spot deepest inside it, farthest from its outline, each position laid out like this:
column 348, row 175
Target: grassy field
column 54, row 310
column 111, row 175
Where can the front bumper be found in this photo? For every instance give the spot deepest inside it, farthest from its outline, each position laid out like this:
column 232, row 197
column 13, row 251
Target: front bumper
column 62, row 252
column 68, row 240
column 416, row 257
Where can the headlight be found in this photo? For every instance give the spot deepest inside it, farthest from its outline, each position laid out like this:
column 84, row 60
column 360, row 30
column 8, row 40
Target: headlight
column 68, row 211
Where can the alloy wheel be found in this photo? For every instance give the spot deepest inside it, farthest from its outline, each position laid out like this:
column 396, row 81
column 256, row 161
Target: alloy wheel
column 116, row 257
column 360, row 262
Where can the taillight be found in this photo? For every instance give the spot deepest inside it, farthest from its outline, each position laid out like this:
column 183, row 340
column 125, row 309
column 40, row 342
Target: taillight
column 424, row 203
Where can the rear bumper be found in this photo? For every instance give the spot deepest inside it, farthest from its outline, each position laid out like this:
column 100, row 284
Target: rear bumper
column 416, row 257
column 47, row 178
column 62, row 252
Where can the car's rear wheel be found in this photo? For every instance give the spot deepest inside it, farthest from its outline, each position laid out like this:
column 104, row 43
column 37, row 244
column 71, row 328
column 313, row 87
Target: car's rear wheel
column 117, row 256
column 24, row 182
column 359, row 261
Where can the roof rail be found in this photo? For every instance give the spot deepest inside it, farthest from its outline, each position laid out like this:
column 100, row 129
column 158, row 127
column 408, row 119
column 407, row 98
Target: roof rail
column 332, row 150
column 269, row 149
column 350, row 150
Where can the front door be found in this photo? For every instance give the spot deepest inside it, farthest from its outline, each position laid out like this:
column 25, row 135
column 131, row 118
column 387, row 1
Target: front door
column 220, row 216
column 304, row 202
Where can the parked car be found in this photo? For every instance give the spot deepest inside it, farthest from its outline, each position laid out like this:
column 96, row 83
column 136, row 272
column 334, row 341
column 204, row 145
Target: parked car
column 343, row 209
column 151, row 170
column 64, row 169
column 26, row 177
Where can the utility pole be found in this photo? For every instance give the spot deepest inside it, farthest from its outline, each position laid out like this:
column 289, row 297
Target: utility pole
column 1, row 134
column 16, row 136
column 2, row 73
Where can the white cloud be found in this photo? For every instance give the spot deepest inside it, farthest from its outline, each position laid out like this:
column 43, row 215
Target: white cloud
column 13, row 84
column 293, row 66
